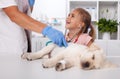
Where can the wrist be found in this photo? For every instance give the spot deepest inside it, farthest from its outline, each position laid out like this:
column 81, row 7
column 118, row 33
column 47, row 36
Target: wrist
column 46, row 30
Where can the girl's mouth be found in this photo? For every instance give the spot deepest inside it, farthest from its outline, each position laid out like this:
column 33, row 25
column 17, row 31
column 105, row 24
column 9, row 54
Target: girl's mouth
column 67, row 22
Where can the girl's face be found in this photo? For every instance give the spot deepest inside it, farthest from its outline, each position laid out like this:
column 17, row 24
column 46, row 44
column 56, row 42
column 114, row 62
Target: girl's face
column 73, row 21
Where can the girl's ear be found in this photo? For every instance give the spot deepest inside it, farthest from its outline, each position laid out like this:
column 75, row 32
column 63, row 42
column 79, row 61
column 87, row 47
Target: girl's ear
column 81, row 24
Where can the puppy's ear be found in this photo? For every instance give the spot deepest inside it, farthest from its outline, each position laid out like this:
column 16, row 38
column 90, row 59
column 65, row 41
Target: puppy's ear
column 99, row 59
column 93, row 57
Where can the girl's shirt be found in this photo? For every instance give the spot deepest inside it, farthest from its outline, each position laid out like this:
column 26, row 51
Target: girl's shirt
column 83, row 39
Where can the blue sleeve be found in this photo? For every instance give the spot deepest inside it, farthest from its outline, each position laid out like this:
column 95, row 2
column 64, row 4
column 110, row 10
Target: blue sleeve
column 31, row 2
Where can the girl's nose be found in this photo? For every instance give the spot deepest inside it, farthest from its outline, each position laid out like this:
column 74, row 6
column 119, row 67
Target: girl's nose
column 68, row 18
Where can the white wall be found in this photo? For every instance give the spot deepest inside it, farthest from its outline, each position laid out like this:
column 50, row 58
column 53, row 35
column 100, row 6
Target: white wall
column 49, row 8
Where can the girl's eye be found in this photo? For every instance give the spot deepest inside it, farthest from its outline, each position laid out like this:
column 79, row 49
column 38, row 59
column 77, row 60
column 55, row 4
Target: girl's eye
column 68, row 15
column 71, row 15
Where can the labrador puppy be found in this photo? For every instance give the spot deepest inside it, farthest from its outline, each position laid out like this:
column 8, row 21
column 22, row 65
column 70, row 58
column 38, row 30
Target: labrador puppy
column 62, row 58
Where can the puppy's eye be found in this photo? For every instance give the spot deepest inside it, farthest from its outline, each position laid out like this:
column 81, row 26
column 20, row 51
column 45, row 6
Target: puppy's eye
column 93, row 57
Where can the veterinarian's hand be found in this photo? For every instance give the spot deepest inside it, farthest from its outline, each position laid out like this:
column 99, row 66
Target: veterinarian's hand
column 31, row 2
column 56, row 36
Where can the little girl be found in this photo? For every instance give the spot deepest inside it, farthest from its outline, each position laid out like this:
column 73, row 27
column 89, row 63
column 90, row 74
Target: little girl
column 80, row 29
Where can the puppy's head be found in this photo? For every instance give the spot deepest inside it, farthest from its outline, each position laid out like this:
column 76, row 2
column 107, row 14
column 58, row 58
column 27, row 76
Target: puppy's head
column 92, row 60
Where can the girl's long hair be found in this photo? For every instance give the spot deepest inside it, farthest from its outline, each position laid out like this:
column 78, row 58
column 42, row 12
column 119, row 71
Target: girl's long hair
column 86, row 18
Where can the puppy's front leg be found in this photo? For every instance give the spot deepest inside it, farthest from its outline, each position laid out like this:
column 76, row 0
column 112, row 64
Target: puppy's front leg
column 64, row 64
column 36, row 55
column 53, row 61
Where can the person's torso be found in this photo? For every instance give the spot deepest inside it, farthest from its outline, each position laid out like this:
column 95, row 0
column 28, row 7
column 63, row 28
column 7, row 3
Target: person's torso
column 12, row 36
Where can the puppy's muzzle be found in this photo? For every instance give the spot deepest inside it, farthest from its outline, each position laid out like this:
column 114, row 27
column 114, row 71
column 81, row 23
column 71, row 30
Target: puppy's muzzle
column 86, row 65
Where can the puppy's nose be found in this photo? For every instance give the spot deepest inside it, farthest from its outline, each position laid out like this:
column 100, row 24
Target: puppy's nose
column 85, row 64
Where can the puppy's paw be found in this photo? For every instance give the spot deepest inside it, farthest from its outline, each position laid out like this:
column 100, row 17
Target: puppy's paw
column 48, row 64
column 45, row 64
column 26, row 56
column 60, row 66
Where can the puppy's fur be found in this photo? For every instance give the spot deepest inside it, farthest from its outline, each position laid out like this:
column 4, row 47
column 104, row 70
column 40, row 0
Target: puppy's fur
column 74, row 55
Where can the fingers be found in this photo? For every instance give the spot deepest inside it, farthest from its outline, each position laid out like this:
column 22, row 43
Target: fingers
column 61, row 41
column 64, row 42
column 58, row 41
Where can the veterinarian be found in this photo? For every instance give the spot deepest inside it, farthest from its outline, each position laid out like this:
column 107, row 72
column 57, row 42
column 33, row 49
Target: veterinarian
column 14, row 18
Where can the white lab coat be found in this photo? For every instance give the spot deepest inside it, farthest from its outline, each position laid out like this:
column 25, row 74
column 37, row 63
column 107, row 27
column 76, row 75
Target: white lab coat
column 12, row 37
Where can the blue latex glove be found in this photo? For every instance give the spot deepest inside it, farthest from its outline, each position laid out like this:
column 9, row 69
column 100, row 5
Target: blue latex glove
column 56, row 36
column 31, row 2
